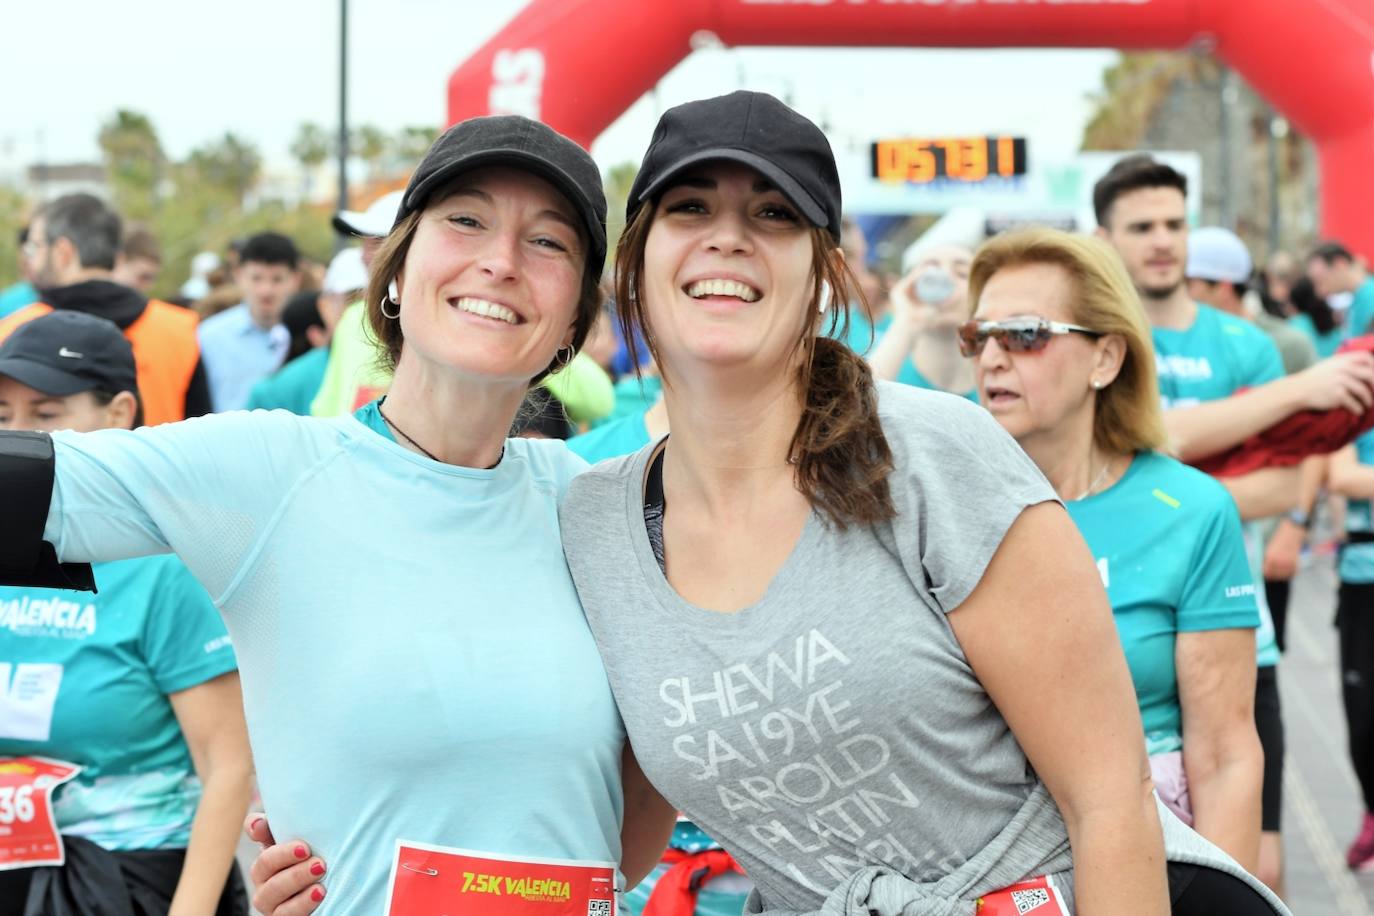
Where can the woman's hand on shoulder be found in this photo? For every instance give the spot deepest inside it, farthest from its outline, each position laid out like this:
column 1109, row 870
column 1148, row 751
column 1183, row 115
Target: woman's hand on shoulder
column 286, row 877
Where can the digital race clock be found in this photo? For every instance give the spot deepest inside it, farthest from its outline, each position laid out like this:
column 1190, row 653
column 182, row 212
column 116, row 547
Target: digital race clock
column 962, row 159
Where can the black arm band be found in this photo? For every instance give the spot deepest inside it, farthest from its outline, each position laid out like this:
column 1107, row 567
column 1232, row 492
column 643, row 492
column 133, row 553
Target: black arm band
column 26, row 479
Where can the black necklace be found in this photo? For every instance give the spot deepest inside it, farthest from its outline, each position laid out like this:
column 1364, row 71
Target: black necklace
column 428, row 454
column 402, row 433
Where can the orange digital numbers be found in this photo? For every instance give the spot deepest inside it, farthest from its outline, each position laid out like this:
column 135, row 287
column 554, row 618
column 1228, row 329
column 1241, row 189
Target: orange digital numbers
column 960, row 159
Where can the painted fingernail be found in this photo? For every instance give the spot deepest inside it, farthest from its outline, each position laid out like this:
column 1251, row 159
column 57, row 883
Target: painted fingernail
column 317, row 894
column 257, row 821
column 317, row 868
column 300, row 852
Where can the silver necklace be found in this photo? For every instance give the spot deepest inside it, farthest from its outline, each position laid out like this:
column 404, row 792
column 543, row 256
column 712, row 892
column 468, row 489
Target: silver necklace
column 1096, row 481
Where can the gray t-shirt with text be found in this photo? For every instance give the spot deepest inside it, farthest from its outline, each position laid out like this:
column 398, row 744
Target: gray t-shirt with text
column 836, row 723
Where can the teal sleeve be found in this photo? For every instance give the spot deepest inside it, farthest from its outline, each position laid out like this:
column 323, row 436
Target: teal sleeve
column 260, row 398
column 1218, row 590
column 184, row 641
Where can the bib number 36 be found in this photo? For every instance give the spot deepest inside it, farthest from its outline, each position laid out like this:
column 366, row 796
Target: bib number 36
column 16, row 804
column 28, row 829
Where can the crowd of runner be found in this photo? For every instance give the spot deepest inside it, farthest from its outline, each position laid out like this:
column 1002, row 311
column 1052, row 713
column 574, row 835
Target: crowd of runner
column 833, row 643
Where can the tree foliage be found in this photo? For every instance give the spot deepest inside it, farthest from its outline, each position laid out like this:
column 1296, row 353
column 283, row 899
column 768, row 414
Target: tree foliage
column 230, row 164
column 134, row 163
column 1132, row 92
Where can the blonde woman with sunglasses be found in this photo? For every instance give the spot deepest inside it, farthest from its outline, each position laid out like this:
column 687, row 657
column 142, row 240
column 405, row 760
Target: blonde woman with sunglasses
column 1063, row 359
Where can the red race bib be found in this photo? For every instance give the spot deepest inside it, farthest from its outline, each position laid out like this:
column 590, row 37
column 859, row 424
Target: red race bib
column 28, row 830
column 437, row 881
column 1037, row 897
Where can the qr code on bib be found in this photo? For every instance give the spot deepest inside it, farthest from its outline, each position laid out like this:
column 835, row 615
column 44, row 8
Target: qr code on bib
column 1029, row 901
column 598, row 908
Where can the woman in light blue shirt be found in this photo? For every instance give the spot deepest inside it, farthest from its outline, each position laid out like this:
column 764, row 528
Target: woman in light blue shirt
column 396, row 687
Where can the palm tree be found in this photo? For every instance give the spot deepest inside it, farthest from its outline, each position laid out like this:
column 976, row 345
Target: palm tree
column 311, row 147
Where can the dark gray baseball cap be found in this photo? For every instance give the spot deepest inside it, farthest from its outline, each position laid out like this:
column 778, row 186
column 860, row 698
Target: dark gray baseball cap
column 518, row 142
column 67, row 352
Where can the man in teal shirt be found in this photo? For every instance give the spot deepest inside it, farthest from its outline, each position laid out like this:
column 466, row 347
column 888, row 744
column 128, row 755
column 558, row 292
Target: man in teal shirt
column 1334, row 269
column 1221, row 380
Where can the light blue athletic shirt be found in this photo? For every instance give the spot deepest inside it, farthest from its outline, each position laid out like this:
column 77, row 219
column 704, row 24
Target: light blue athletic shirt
column 85, row 678
column 1168, row 546
column 414, row 658
column 1361, row 313
column 1357, row 560
column 1214, row 359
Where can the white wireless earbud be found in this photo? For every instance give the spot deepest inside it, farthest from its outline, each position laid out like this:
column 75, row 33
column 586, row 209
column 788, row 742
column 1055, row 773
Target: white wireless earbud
column 393, row 293
column 825, row 297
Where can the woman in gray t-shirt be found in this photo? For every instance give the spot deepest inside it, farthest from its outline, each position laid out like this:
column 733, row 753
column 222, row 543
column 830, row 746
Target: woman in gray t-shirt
column 847, row 624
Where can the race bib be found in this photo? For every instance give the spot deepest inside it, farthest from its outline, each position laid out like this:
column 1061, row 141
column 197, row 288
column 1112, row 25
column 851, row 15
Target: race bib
column 438, row 881
column 28, row 830
column 1037, row 897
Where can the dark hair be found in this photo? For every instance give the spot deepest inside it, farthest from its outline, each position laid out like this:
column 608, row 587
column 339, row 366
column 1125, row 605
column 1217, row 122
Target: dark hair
column 1304, row 298
column 300, row 314
column 542, row 413
column 23, row 235
column 103, row 399
column 88, row 223
column 139, row 242
column 391, row 257
column 842, row 458
column 1131, row 174
column 1331, row 252
column 270, row 248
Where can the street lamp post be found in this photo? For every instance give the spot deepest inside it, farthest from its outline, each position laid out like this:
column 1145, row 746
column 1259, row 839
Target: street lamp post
column 343, row 105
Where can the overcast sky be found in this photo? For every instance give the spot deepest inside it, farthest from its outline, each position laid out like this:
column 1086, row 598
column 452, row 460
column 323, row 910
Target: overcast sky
column 264, row 66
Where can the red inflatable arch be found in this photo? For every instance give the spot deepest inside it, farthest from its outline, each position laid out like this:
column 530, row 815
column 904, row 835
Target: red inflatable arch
column 578, row 64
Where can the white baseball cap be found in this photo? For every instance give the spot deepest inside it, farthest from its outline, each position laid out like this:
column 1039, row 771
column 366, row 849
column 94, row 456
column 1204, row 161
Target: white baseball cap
column 374, row 222
column 1215, row 253
column 346, row 273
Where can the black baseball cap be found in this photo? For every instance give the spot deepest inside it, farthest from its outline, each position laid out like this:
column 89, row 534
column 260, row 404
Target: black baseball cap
column 752, row 128
column 521, row 143
column 67, row 352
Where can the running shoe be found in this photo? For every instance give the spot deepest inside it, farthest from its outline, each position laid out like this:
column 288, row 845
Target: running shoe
column 1360, row 855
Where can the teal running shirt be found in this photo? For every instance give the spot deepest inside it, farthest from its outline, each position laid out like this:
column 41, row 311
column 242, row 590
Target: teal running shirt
column 292, row 387
column 910, row 375
column 86, row 678
column 1357, row 560
column 1213, row 359
column 1326, row 344
column 1361, row 313
column 1179, row 566
column 619, row 437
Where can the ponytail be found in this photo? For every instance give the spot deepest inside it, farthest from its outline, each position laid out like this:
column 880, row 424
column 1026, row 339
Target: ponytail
column 843, row 459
